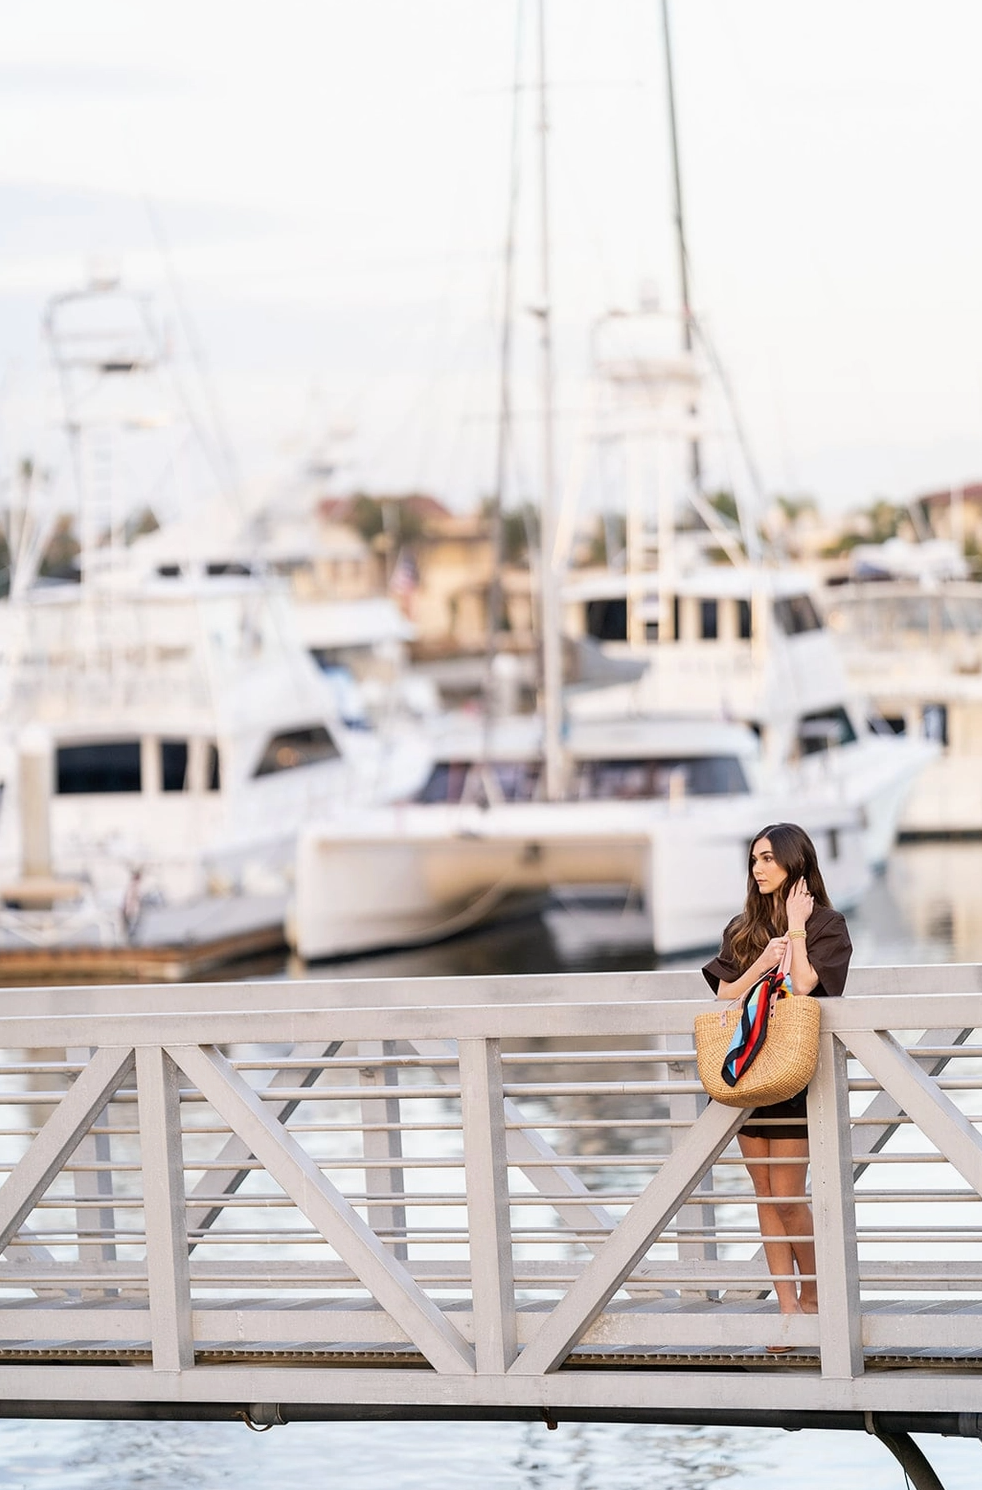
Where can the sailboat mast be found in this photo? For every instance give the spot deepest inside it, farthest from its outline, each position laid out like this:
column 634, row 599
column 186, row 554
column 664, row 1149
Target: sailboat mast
column 695, row 457
column 551, row 639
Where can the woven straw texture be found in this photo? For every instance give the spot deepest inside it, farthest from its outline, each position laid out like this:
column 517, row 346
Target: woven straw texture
column 782, row 1067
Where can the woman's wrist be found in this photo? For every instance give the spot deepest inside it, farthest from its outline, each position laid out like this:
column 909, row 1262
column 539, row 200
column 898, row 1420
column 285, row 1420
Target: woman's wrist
column 797, row 931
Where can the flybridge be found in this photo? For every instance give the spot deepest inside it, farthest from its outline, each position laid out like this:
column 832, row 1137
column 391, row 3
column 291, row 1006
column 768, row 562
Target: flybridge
column 499, row 1196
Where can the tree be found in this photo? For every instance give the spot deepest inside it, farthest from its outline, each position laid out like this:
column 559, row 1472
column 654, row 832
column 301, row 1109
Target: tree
column 393, row 516
column 61, row 554
column 795, row 507
column 883, row 519
column 520, row 532
column 725, row 503
column 608, row 540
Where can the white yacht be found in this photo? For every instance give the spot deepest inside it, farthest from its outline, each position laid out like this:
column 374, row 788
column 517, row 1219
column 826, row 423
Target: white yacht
column 165, row 732
column 749, row 643
column 915, row 650
column 181, row 737
column 658, row 810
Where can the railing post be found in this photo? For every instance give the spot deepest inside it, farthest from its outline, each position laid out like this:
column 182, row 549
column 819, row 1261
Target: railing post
column 488, row 1208
column 383, row 1144
column 164, row 1210
column 833, row 1197
column 96, row 1149
column 685, row 1107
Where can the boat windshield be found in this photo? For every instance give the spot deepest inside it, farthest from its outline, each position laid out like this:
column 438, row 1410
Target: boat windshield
column 689, row 776
column 482, row 782
column 595, row 780
column 797, row 613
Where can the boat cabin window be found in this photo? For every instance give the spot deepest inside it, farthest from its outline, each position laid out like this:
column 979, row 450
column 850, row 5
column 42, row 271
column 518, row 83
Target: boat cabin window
column 744, row 620
column 173, row 765
column 693, row 776
column 708, row 620
column 606, row 620
column 469, row 781
column 934, row 722
column 174, row 756
column 213, row 770
column 824, row 730
column 297, row 747
column 102, row 767
column 797, row 613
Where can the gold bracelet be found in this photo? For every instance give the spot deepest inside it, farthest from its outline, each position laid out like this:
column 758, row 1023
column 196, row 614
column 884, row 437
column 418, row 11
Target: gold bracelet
column 797, row 933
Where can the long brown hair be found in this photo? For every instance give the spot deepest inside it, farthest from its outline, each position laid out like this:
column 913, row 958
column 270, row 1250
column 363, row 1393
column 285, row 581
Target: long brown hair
column 765, row 916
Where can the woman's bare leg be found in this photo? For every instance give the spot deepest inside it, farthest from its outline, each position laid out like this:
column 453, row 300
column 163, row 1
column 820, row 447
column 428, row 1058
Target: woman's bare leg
column 782, row 1216
column 788, row 1180
column 777, row 1249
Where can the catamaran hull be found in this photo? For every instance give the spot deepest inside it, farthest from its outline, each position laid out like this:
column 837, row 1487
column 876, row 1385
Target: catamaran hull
column 419, row 875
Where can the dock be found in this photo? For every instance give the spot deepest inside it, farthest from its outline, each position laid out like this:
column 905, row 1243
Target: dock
column 478, row 1197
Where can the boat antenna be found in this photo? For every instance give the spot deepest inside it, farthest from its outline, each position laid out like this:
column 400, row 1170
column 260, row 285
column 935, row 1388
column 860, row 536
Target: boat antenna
column 688, row 337
column 692, row 328
column 495, row 596
column 226, row 467
column 551, row 641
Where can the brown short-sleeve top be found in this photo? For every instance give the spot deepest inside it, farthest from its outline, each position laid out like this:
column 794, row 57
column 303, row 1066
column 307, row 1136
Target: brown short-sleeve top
column 829, row 951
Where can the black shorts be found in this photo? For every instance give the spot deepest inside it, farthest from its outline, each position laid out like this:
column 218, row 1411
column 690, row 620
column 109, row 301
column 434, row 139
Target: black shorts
column 792, row 1107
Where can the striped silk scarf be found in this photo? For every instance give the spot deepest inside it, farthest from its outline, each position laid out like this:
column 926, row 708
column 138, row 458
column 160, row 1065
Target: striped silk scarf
column 751, row 1028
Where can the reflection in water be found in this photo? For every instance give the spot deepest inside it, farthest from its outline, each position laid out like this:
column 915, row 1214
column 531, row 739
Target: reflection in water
column 937, row 891
column 447, row 1456
column 630, row 1456
column 366, row 1456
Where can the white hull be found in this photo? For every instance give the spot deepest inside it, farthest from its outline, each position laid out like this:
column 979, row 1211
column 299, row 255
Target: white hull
column 419, row 874
column 947, row 800
column 875, row 775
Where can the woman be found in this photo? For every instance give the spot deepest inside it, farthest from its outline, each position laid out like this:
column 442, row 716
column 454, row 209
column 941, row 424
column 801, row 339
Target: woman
column 786, row 903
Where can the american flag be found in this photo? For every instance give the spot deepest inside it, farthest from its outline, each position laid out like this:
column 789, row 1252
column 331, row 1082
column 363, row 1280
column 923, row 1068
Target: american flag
column 404, row 578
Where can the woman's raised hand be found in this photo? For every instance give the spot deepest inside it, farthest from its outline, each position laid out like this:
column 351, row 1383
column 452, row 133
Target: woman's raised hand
column 799, row 906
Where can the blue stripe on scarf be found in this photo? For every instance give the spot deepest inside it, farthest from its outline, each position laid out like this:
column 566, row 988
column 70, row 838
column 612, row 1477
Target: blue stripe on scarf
column 751, row 1029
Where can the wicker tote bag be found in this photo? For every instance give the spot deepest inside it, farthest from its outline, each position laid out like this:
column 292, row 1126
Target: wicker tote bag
column 764, row 1047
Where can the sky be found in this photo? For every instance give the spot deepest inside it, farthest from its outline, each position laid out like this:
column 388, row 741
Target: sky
column 316, row 195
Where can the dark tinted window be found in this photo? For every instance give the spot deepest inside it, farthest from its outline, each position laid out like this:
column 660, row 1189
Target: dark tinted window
column 297, row 747
column 934, row 719
column 824, row 730
column 109, row 766
column 708, row 620
column 173, row 765
column 606, row 620
column 213, row 772
column 695, row 776
column 797, row 613
column 743, row 619
column 457, row 781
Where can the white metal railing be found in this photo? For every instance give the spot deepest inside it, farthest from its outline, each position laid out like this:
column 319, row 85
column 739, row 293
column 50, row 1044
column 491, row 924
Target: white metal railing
column 449, row 1189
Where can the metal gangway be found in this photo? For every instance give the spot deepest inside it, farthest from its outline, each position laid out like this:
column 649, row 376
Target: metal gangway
column 484, row 1197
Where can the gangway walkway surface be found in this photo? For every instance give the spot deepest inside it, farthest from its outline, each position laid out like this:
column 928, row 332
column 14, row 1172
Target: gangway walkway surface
column 501, row 1196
